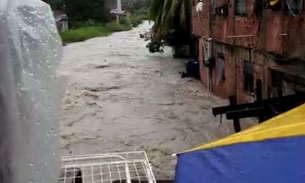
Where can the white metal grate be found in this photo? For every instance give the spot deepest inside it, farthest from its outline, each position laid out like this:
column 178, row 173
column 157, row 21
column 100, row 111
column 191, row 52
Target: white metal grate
column 131, row 167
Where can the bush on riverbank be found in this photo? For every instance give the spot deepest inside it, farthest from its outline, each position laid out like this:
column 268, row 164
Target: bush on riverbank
column 84, row 33
column 136, row 20
column 90, row 29
column 117, row 27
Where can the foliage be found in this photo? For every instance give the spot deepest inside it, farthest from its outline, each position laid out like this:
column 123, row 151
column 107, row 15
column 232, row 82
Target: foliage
column 140, row 4
column 156, row 45
column 172, row 22
column 169, row 14
column 142, row 11
column 90, row 18
column 116, row 27
column 88, row 23
column 84, row 10
column 55, row 4
column 91, row 29
column 84, row 33
column 135, row 5
column 136, row 20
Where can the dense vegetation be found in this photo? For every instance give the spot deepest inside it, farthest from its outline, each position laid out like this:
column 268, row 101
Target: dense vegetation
column 85, row 10
column 55, row 4
column 92, row 18
column 90, row 30
column 172, row 25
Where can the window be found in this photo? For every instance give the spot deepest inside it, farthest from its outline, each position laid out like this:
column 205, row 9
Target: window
column 248, row 77
column 221, row 77
column 294, row 6
column 241, row 7
column 213, row 3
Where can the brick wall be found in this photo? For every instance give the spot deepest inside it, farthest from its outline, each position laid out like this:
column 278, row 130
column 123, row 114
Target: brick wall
column 234, row 72
column 223, row 88
column 285, row 34
column 222, row 28
column 200, row 20
column 203, row 69
column 294, row 43
column 277, row 31
column 242, row 96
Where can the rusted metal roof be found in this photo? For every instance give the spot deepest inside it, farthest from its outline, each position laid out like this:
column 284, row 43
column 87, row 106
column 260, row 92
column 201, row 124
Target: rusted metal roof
column 295, row 68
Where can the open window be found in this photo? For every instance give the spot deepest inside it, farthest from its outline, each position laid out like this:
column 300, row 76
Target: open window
column 221, row 77
column 248, row 77
column 294, row 7
column 241, row 7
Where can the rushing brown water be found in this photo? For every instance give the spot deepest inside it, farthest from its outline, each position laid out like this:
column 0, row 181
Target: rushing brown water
column 120, row 97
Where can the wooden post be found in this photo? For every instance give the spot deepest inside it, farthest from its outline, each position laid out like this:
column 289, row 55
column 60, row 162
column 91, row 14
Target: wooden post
column 119, row 11
column 117, row 18
column 259, row 97
column 236, row 122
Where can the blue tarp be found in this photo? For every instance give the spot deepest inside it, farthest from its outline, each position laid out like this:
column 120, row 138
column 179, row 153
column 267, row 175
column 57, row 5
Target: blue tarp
column 272, row 152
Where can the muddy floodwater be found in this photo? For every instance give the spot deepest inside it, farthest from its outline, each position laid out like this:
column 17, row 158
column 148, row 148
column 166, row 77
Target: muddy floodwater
column 120, row 97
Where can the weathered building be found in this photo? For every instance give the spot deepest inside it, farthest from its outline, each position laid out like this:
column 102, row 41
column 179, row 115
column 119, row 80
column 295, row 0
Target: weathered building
column 244, row 41
column 62, row 20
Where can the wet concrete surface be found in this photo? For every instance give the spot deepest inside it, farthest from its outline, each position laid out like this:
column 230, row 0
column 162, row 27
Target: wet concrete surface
column 122, row 98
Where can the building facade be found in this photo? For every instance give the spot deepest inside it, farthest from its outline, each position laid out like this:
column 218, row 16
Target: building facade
column 242, row 42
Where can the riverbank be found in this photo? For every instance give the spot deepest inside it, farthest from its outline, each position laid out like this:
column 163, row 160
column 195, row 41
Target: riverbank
column 91, row 30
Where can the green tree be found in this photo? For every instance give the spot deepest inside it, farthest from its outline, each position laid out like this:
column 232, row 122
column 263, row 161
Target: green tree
column 170, row 15
column 55, row 4
column 172, row 21
column 86, row 10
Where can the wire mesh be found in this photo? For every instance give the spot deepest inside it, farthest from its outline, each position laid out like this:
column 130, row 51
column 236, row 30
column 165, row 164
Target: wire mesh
column 131, row 167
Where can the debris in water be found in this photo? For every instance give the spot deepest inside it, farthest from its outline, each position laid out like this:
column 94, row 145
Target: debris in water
column 101, row 66
column 102, row 88
column 90, row 94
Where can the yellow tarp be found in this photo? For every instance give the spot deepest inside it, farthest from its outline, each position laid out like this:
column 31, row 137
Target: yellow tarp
column 291, row 123
column 273, row 2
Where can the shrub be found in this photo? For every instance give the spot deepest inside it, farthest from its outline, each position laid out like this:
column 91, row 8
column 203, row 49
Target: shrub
column 84, row 33
column 142, row 11
column 136, row 20
column 156, row 45
column 125, row 21
column 90, row 29
column 88, row 23
column 117, row 27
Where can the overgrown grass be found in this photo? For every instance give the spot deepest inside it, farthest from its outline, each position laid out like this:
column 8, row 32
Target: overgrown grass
column 90, row 30
column 84, row 33
column 117, row 27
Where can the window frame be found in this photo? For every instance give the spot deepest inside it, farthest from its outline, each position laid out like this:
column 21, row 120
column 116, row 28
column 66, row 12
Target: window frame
column 298, row 12
column 236, row 2
column 248, row 74
column 221, row 60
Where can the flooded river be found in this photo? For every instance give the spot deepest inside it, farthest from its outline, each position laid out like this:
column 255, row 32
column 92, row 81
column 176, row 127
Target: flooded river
column 122, row 98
